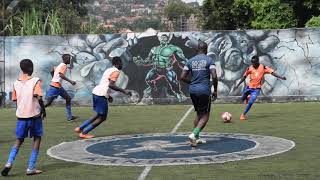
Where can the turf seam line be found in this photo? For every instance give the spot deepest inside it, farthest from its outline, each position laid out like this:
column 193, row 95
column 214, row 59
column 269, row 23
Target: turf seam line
column 147, row 169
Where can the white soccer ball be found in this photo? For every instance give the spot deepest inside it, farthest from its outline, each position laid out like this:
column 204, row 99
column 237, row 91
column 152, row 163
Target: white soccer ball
column 226, row 117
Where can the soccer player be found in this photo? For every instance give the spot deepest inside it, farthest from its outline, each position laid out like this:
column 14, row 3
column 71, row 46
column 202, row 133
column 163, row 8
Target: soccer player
column 55, row 90
column 256, row 73
column 30, row 112
column 200, row 67
column 101, row 96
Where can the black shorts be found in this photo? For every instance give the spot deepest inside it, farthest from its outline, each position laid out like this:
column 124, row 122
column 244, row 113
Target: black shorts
column 201, row 103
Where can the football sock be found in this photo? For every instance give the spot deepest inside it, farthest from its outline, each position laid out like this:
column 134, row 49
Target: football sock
column 248, row 107
column 88, row 129
column 33, row 159
column 85, row 124
column 13, row 153
column 69, row 113
column 196, row 132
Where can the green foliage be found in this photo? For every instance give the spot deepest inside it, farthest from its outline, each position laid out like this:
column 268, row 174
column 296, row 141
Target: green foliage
column 217, row 14
column 45, row 17
column 272, row 14
column 176, row 9
column 313, row 22
column 246, row 14
column 35, row 22
column 242, row 13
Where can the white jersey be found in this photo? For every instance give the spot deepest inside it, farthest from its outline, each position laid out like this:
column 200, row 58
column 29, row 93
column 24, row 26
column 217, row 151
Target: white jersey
column 27, row 105
column 56, row 77
column 102, row 89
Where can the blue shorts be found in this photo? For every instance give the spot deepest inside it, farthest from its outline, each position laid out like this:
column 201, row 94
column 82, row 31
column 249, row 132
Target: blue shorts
column 54, row 92
column 100, row 105
column 254, row 93
column 29, row 127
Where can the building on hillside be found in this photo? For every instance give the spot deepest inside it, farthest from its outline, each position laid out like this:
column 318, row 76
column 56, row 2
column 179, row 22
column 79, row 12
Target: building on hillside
column 182, row 23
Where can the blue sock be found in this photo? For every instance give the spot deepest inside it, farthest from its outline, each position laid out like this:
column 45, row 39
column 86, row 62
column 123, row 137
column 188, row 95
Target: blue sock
column 88, row 129
column 33, row 159
column 69, row 113
column 85, row 124
column 248, row 107
column 13, row 153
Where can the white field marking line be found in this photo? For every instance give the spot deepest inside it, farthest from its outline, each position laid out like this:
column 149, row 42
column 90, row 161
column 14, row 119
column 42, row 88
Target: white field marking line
column 147, row 169
column 174, row 130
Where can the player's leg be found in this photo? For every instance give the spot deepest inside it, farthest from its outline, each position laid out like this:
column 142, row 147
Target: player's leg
column 245, row 95
column 13, row 153
column 86, row 123
column 253, row 96
column 202, row 104
column 36, row 131
column 21, row 133
column 51, row 95
column 100, row 106
column 34, row 156
column 63, row 93
column 96, row 123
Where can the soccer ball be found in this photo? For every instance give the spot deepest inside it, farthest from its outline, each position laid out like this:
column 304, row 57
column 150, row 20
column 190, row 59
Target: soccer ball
column 226, row 117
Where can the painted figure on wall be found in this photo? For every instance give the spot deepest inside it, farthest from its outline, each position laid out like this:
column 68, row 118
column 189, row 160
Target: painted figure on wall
column 162, row 58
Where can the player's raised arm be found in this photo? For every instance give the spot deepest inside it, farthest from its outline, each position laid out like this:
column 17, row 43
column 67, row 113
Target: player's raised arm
column 278, row 76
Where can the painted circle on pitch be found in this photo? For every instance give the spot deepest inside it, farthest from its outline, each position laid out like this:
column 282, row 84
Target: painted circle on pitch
column 169, row 149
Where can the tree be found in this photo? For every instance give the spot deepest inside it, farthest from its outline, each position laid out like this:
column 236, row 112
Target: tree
column 313, row 22
column 176, row 9
column 218, row 14
column 242, row 14
column 272, row 14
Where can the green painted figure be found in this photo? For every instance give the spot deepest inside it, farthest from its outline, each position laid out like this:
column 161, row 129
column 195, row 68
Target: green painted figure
column 162, row 58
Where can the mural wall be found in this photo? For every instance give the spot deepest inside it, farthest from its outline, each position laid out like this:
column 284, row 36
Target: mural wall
column 153, row 61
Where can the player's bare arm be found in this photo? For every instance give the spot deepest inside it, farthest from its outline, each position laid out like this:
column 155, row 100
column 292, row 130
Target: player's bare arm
column 113, row 86
column 67, row 79
column 278, row 76
column 214, row 82
column 241, row 81
column 43, row 109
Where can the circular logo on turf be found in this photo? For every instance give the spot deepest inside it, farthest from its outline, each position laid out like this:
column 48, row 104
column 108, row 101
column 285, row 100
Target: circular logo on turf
column 169, row 149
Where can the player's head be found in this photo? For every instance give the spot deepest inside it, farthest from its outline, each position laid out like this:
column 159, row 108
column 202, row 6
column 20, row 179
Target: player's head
column 117, row 62
column 202, row 47
column 26, row 66
column 66, row 58
column 164, row 39
column 255, row 61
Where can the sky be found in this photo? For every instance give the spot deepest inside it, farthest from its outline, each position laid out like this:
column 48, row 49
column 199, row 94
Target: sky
column 199, row 1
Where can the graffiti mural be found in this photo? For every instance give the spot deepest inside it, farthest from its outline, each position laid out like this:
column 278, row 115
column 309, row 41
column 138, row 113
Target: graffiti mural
column 153, row 61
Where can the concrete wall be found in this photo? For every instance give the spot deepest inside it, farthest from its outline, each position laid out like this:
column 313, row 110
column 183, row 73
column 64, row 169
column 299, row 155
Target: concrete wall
column 294, row 53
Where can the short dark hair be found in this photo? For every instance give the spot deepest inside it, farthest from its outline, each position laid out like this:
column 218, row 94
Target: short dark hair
column 116, row 60
column 202, row 46
column 26, row 66
column 66, row 57
column 255, row 58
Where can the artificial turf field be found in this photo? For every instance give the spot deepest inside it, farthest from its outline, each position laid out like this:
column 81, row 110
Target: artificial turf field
column 299, row 122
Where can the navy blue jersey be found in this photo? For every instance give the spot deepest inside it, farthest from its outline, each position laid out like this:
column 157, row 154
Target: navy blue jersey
column 199, row 66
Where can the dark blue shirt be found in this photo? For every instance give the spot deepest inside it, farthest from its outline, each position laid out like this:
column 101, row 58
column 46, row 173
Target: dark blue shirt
column 199, row 66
